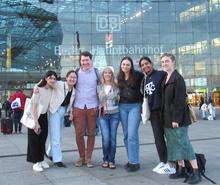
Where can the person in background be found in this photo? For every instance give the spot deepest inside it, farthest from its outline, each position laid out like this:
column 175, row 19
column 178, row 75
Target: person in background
column 18, row 112
column 205, row 111
column 176, row 122
column 0, row 109
column 37, row 136
column 200, row 105
column 152, row 87
column 108, row 116
column 130, row 104
column 201, row 102
column 63, row 95
column 85, row 109
column 7, row 108
column 211, row 110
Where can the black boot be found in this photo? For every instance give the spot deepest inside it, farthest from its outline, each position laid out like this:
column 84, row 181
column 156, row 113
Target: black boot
column 133, row 167
column 180, row 173
column 195, row 178
column 126, row 166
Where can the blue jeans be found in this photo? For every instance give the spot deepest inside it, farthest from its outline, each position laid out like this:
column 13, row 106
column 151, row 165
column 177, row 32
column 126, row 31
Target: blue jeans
column 130, row 115
column 55, row 131
column 109, row 125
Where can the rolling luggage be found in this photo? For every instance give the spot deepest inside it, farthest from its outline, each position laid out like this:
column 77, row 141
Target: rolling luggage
column 6, row 125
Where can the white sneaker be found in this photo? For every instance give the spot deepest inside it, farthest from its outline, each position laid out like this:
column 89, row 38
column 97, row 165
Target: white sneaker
column 44, row 164
column 166, row 170
column 37, row 167
column 160, row 165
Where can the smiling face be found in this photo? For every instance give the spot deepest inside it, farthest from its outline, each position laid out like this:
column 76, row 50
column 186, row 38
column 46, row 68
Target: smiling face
column 167, row 64
column 71, row 79
column 50, row 81
column 146, row 66
column 107, row 75
column 86, row 63
column 126, row 66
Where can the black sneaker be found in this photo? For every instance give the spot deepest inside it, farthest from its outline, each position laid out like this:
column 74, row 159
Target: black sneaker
column 60, row 165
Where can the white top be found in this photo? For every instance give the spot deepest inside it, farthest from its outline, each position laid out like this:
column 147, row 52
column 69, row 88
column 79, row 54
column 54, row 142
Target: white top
column 43, row 98
column 204, row 107
column 107, row 88
column 59, row 93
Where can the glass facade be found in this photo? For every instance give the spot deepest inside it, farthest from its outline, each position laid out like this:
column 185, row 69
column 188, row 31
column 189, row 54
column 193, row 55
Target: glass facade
column 41, row 35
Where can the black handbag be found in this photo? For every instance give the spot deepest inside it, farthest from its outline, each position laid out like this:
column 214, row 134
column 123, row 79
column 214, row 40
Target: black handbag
column 67, row 121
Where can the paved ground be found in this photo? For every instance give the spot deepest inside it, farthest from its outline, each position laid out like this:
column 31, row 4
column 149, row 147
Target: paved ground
column 14, row 170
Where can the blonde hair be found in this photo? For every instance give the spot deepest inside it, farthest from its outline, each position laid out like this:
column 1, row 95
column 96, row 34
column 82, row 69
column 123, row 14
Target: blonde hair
column 170, row 55
column 113, row 81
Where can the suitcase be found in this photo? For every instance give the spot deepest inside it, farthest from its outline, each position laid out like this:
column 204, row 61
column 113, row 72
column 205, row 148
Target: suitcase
column 6, row 125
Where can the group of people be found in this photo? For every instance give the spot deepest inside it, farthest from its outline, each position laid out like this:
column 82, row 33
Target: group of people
column 89, row 98
column 14, row 113
column 208, row 109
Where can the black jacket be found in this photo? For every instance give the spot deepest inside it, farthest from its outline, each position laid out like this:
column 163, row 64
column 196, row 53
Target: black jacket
column 174, row 101
column 131, row 93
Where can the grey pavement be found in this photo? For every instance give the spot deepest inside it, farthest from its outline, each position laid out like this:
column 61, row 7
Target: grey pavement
column 14, row 170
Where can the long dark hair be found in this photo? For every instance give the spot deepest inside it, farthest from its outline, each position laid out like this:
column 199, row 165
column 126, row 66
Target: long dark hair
column 43, row 81
column 144, row 58
column 121, row 75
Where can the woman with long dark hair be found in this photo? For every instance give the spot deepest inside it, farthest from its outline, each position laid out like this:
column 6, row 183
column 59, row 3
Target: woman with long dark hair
column 129, row 82
column 37, row 136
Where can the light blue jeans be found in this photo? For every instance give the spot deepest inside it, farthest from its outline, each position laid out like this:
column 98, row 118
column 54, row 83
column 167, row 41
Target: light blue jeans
column 109, row 125
column 55, row 132
column 130, row 115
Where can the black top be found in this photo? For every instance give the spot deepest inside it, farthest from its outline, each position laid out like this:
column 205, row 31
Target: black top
column 131, row 93
column 153, row 89
column 67, row 99
column 174, row 101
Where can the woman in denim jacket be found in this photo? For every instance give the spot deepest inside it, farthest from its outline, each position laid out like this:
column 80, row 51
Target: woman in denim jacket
column 108, row 116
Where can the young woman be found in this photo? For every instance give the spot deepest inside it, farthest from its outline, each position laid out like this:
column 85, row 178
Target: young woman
column 152, row 88
column 108, row 116
column 176, row 121
column 129, row 82
column 60, row 104
column 37, row 136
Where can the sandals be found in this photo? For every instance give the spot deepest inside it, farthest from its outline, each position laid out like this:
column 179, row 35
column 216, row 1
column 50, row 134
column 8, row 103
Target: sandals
column 80, row 162
column 111, row 166
column 105, row 164
column 89, row 163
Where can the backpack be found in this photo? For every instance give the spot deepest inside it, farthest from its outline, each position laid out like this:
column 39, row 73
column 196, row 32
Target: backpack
column 201, row 162
column 96, row 73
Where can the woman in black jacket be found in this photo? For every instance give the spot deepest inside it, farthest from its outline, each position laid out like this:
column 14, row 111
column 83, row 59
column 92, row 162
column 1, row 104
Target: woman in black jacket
column 129, row 82
column 176, row 121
